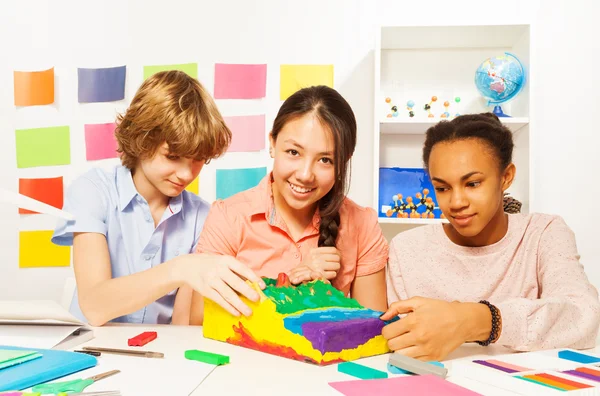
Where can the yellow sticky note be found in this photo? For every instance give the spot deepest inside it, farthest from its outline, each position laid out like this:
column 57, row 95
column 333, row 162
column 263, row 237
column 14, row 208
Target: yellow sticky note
column 194, row 187
column 295, row 77
column 36, row 250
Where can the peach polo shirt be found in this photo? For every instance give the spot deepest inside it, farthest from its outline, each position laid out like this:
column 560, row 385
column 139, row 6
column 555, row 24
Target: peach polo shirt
column 247, row 227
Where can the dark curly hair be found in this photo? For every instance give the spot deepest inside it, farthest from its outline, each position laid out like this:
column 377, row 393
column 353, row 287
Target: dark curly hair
column 484, row 126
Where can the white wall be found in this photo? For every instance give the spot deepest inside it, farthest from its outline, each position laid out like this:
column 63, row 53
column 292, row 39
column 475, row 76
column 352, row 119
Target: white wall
column 71, row 34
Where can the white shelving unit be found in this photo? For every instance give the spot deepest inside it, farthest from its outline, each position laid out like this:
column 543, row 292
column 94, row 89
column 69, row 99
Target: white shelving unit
column 418, row 62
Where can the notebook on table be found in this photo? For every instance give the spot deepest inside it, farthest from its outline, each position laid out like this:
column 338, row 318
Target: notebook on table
column 51, row 365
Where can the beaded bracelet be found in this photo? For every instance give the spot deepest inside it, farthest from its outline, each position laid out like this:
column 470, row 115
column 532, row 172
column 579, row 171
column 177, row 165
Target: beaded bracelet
column 496, row 324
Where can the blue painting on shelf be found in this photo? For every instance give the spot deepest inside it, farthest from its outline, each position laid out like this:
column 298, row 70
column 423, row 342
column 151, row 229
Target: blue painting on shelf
column 407, row 193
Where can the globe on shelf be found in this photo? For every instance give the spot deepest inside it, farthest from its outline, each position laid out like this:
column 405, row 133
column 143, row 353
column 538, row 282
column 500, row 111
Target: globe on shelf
column 499, row 79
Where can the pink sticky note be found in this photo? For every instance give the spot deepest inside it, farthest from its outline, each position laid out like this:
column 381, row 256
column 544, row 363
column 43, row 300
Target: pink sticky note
column 248, row 132
column 233, row 81
column 100, row 142
column 410, row 385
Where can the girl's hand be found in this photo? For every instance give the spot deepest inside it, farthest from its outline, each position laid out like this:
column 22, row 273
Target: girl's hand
column 220, row 279
column 321, row 263
column 434, row 328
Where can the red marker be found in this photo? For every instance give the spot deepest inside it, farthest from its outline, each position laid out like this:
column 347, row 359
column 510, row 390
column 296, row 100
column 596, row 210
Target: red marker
column 142, row 339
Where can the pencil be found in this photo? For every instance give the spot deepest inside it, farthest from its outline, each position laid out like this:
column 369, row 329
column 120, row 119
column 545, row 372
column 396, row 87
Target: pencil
column 128, row 352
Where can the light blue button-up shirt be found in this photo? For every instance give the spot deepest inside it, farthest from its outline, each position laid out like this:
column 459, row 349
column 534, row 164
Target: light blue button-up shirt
column 107, row 202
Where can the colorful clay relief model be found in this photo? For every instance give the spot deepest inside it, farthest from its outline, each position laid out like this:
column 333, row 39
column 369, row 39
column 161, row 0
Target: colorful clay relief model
column 312, row 322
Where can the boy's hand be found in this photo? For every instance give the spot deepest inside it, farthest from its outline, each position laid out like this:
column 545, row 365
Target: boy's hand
column 220, row 279
column 321, row 263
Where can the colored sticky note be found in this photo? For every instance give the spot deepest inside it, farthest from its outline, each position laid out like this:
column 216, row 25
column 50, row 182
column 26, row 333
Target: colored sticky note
column 295, row 77
column 9, row 358
column 34, row 88
column 397, row 370
column 232, row 181
column 36, row 250
column 49, row 191
column 194, row 187
column 578, row 357
column 191, row 69
column 360, row 371
column 248, row 132
column 43, row 147
column 409, row 385
column 101, row 85
column 237, row 81
column 100, row 142
column 11, row 354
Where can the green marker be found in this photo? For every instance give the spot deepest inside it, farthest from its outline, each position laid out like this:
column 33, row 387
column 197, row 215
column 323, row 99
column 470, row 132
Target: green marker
column 206, row 357
column 361, row 371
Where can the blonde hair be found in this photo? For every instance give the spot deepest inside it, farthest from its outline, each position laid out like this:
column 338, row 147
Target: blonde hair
column 175, row 108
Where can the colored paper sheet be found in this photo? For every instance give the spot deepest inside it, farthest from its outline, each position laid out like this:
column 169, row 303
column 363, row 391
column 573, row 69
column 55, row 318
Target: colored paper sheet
column 248, row 132
column 409, row 385
column 101, row 85
column 295, row 77
column 31, row 355
column 11, row 354
column 232, row 181
column 36, row 250
column 237, row 81
column 43, row 147
column 100, row 142
column 191, row 69
column 577, row 357
column 49, row 191
column 194, row 187
column 34, row 88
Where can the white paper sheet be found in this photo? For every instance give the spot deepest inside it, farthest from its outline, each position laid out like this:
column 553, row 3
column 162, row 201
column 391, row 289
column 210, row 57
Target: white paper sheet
column 40, row 324
column 35, row 311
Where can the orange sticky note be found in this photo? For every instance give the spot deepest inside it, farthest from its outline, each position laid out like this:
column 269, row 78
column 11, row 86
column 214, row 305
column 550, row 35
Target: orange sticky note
column 36, row 250
column 49, row 191
column 34, row 88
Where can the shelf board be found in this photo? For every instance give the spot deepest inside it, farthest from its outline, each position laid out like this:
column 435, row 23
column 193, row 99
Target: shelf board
column 433, row 37
column 419, row 127
column 395, row 220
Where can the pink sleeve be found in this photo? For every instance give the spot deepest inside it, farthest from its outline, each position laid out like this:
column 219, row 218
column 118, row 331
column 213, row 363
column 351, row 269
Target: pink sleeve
column 567, row 314
column 218, row 234
column 395, row 284
column 373, row 250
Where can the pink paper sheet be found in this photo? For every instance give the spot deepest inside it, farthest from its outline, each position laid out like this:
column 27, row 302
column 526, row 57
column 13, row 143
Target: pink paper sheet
column 410, row 385
column 248, row 132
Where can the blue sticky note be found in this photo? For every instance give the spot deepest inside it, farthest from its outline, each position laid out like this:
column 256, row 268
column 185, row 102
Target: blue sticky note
column 101, row 85
column 232, row 181
column 578, row 357
column 397, row 370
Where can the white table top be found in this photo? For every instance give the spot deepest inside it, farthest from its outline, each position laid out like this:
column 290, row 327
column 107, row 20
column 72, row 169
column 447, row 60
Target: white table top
column 251, row 372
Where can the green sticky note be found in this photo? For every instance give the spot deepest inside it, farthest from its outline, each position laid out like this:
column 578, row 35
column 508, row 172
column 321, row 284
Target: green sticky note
column 191, row 69
column 43, row 147
column 360, row 371
column 232, row 181
column 10, row 354
column 206, row 357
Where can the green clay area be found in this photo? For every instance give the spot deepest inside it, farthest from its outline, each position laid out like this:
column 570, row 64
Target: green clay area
column 315, row 294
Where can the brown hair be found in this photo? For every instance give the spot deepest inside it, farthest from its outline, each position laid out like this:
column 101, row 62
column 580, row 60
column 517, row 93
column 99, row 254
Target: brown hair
column 175, row 108
column 333, row 111
column 484, row 126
